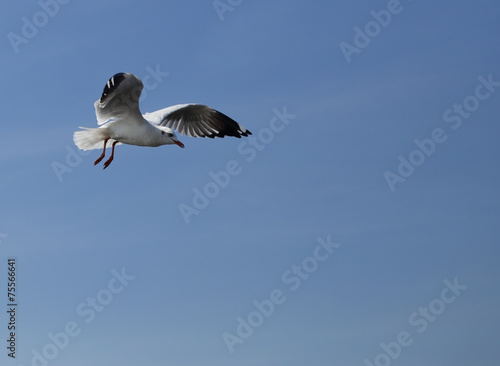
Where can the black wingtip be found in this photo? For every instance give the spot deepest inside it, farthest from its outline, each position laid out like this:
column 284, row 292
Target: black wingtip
column 112, row 84
column 246, row 133
column 230, row 127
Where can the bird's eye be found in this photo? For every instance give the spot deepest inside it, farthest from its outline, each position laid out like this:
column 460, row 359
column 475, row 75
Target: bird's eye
column 170, row 134
column 162, row 132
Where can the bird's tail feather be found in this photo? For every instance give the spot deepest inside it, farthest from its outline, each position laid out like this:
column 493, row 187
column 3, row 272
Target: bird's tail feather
column 91, row 138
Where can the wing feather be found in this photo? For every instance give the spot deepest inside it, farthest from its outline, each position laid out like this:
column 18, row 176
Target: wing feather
column 197, row 120
column 119, row 99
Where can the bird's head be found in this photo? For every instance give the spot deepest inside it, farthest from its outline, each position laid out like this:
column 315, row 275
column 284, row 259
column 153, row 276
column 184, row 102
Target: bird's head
column 168, row 136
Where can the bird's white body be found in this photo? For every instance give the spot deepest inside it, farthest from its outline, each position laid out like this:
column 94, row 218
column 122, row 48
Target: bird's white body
column 121, row 121
column 145, row 135
column 125, row 132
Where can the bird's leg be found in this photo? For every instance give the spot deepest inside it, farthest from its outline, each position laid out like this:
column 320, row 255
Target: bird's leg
column 103, row 153
column 107, row 162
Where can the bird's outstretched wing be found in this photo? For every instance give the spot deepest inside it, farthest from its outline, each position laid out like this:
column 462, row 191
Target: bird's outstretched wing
column 197, row 120
column 119, row 99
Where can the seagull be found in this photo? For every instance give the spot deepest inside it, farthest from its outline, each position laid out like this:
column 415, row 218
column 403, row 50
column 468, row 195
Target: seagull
column 121, row 122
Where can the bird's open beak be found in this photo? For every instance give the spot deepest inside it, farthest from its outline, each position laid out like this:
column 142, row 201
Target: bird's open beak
column 178, row 143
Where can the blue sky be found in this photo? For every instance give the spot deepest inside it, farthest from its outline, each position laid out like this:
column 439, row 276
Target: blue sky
column 387, row 155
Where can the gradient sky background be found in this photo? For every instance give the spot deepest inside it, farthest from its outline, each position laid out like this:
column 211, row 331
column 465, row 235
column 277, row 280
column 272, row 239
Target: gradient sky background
column 322, row 175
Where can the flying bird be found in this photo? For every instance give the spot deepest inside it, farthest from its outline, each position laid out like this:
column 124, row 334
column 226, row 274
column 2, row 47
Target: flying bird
column 121, row 122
